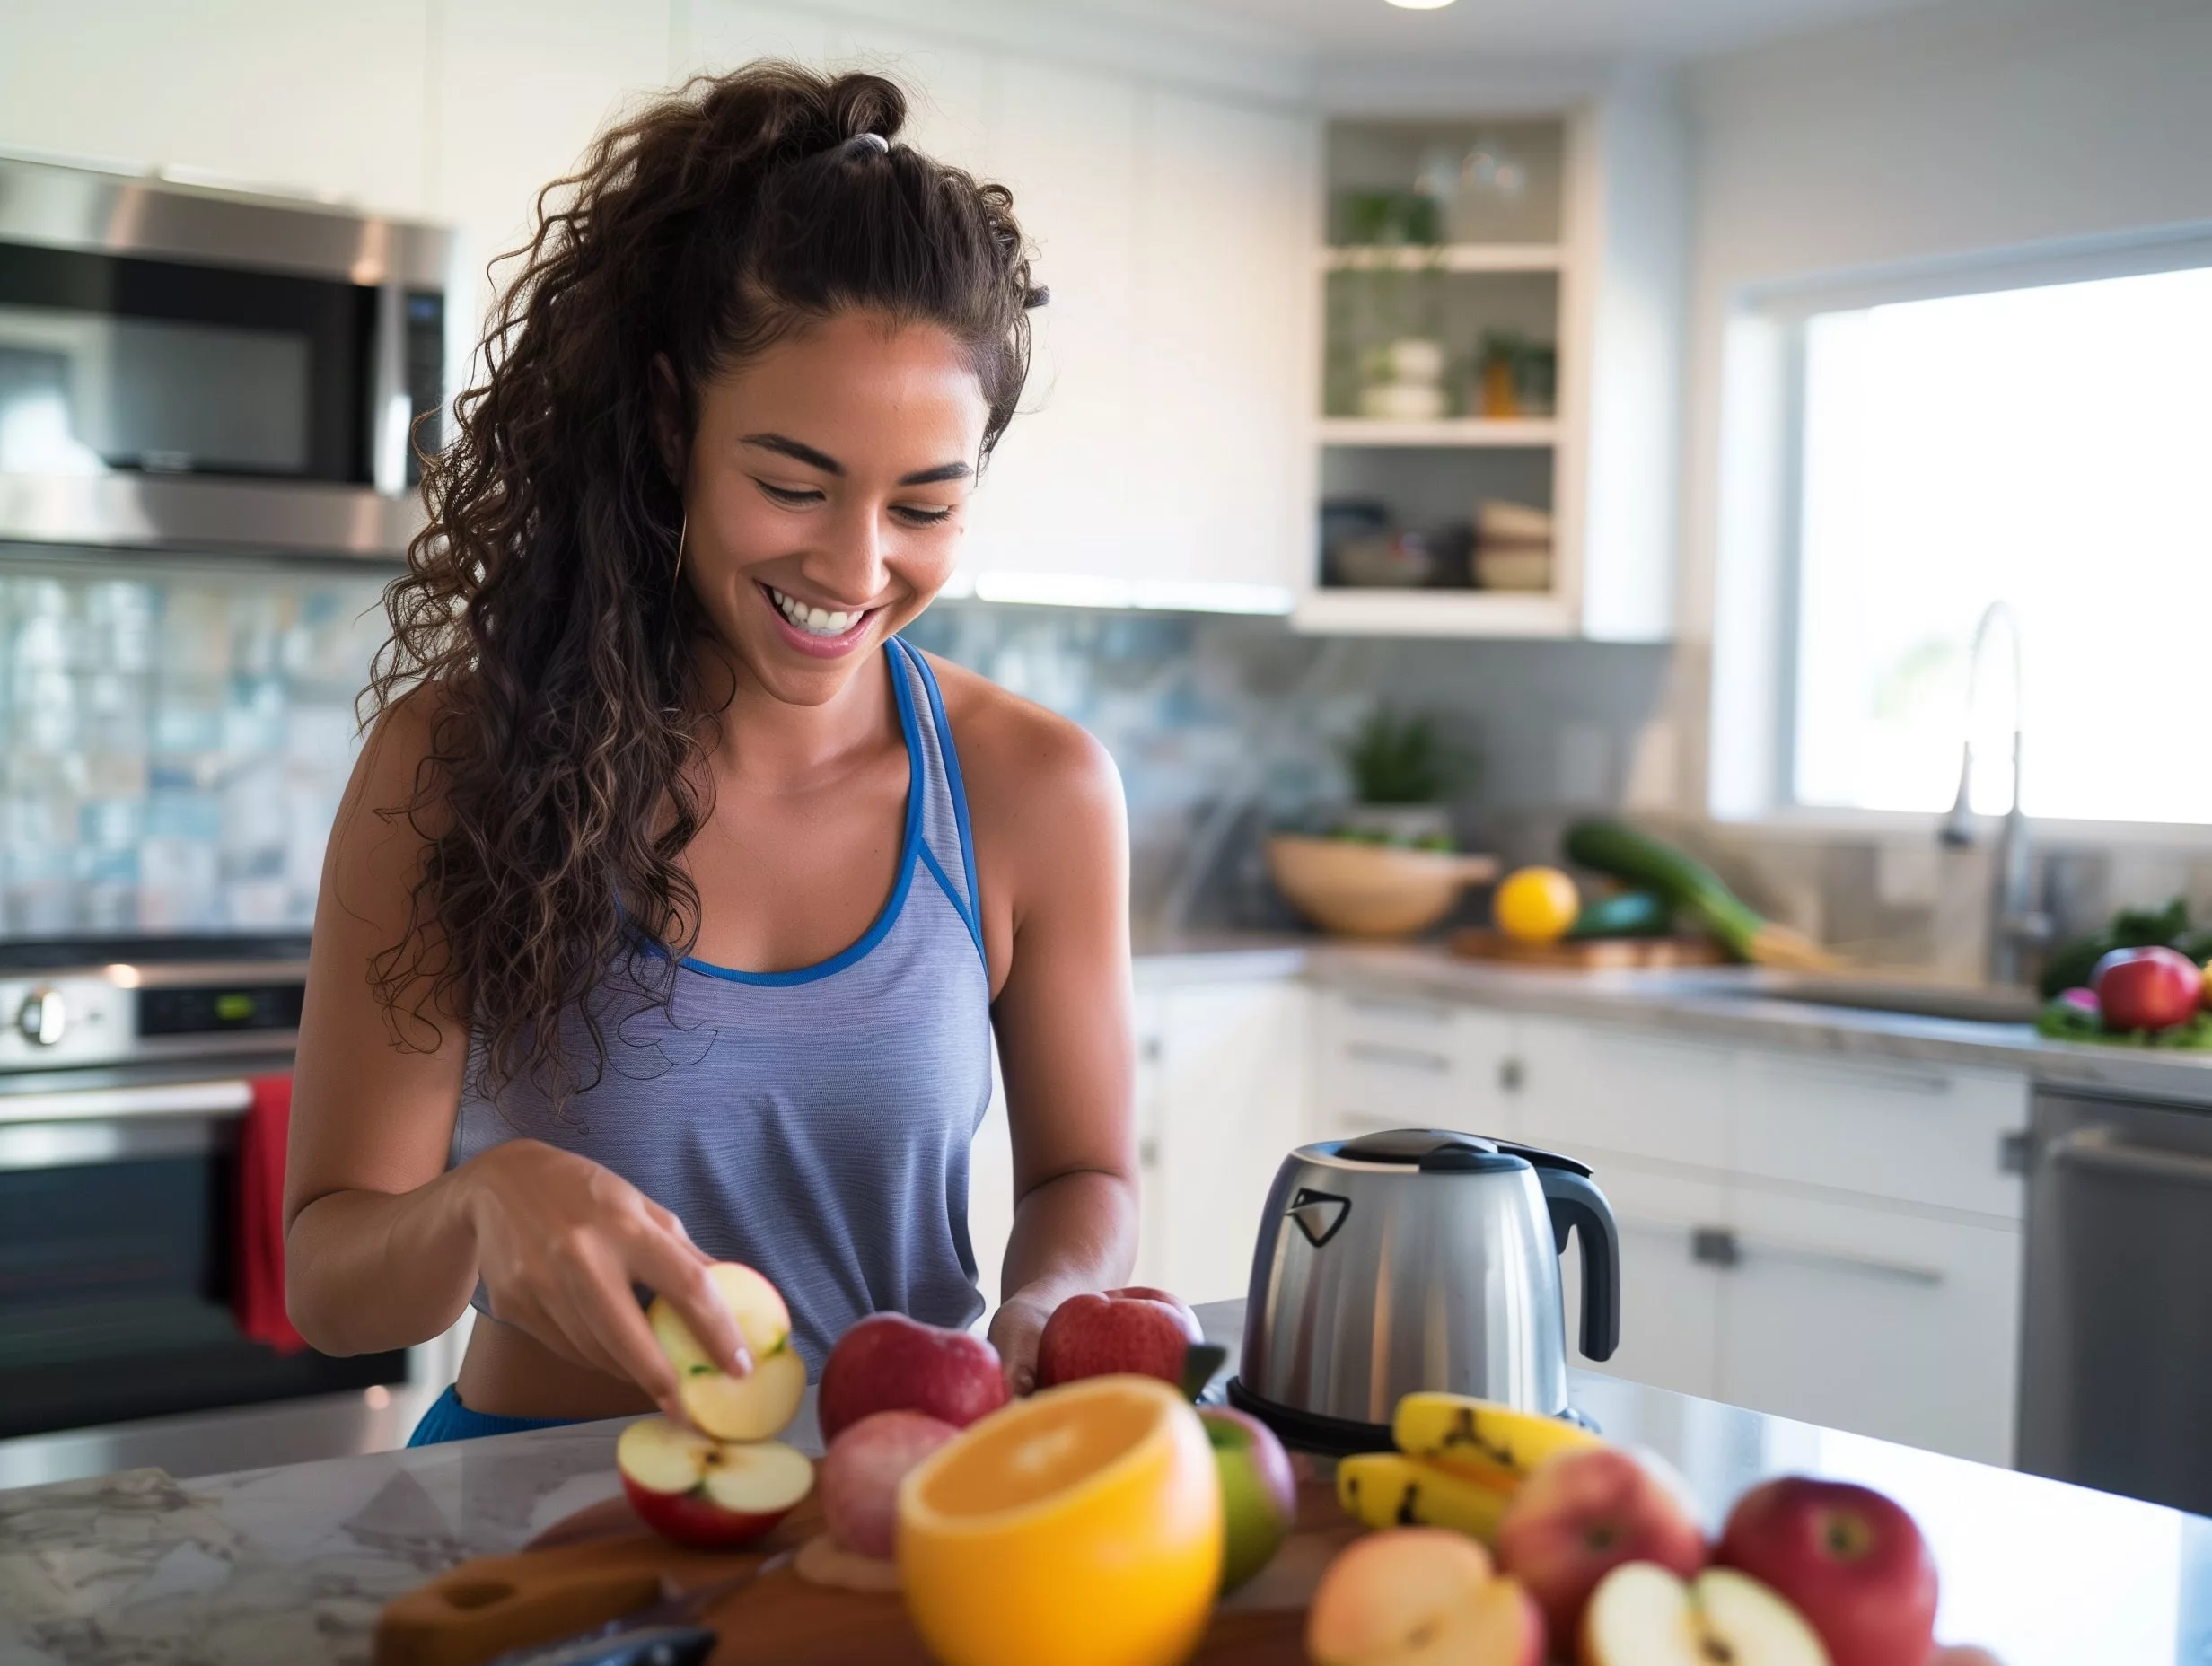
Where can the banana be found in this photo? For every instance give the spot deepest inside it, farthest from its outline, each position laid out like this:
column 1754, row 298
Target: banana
column 1479, row 1440
column 1389, row 1489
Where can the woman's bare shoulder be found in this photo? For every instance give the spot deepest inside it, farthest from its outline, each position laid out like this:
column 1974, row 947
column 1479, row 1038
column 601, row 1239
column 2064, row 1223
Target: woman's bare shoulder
column 1017, row 756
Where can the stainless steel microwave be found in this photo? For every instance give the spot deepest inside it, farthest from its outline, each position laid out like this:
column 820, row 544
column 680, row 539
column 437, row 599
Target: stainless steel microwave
column 185, row 367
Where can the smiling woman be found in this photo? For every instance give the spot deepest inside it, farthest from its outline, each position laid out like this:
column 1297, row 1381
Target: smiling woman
column 675, row 900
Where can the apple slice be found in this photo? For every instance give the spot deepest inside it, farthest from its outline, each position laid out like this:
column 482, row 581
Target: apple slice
column 765, row 1399
column 751, row 1408
column 708, row 1494
column 1642, row 1615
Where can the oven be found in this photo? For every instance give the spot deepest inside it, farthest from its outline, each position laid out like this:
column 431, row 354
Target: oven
column 184, row 367
column 124, row 1087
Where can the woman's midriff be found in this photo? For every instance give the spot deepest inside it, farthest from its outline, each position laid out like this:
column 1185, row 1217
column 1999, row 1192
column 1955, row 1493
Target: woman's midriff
column 508, row 1373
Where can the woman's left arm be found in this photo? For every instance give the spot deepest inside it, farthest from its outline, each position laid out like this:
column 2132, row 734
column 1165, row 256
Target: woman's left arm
column 1052, row 845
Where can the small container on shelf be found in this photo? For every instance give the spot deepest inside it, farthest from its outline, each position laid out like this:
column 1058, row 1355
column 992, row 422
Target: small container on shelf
column 1512, row 547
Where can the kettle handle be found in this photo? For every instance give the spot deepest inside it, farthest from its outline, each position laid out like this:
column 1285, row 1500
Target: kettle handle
column 1577, row 1204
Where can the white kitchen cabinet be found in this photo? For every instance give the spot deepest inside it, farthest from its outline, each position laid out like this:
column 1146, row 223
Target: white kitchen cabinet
column 1054, row 506
column 1231, row 1084
column 1670, row 1288
column 1391, row 1061
column 1593, row 1090
column 1894, row 1325
column 517, row 93
column 1913, row 1133
column 306, row 100
column 1218, row 460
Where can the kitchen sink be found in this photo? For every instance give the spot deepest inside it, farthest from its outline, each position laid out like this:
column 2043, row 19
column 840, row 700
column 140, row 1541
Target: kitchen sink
column 1975, row 1004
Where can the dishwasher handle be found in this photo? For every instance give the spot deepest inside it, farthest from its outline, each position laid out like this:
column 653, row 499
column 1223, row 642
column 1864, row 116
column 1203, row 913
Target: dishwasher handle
column 2101, row 1150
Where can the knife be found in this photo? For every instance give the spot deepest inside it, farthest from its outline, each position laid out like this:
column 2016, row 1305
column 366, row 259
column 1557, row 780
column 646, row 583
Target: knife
column 662, row 1634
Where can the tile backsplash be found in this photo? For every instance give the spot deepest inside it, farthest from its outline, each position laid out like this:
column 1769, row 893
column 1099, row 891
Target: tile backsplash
column 177, row 732
column 177, row 736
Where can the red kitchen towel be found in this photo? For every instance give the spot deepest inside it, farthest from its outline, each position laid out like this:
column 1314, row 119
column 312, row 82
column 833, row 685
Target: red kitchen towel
column 257, row 1286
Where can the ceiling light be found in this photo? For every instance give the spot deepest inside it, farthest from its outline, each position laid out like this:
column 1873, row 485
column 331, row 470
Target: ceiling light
column 1420, row 5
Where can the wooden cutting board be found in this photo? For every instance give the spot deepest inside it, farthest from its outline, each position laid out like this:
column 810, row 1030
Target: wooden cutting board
column 1593, row 954
column 600, row 1563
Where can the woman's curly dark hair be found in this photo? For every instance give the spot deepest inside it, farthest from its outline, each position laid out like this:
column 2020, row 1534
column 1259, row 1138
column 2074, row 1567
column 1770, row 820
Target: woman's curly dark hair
column 539, row 612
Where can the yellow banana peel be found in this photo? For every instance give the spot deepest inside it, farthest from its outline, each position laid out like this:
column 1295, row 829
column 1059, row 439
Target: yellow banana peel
column 1480, row 1440
column 1390, row 1489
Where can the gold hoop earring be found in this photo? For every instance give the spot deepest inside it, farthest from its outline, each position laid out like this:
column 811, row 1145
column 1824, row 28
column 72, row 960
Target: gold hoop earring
column 683, row 533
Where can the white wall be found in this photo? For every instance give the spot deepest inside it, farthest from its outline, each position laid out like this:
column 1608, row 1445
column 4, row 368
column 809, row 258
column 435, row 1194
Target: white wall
column 1976, row 126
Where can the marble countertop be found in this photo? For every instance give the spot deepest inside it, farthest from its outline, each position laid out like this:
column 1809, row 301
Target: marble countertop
column 1724, row 1004
column 292, row 1565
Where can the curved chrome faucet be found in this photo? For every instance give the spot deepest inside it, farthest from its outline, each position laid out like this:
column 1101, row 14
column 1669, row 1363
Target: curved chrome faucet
column 2015, row 925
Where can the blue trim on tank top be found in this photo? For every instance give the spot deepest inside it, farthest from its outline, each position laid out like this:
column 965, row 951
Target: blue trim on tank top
column 910, row 854
column 973, row 913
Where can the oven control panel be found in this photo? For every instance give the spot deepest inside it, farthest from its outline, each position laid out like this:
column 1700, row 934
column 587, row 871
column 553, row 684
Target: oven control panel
column 108, row 1015
column 66, row 1019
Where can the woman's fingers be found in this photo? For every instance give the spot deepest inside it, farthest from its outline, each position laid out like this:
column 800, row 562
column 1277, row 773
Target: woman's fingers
column 618, row 1326
column 676, row 1270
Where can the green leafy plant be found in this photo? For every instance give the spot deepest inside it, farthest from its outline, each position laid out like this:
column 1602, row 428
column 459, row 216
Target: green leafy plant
column 1405, row 758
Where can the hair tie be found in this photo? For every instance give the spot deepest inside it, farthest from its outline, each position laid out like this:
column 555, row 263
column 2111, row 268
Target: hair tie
column 869, row 142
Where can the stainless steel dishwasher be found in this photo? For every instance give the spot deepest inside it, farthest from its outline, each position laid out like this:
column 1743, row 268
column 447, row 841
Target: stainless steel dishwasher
column 2116, row 1369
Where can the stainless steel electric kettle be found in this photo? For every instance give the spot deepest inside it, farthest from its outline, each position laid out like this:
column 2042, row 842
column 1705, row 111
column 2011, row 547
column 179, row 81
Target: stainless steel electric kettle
column 1418, row 1258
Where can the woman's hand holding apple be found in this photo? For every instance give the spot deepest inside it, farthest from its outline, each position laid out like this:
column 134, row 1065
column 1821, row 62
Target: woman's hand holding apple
column 562, row 1244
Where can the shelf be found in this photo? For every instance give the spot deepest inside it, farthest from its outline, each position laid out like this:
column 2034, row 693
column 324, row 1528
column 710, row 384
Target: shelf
column 1521, row 430
column 1444, row 258
column 1433, row 613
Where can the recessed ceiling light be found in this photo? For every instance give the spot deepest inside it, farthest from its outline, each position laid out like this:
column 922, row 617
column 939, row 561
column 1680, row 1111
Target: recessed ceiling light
column 1420, row 5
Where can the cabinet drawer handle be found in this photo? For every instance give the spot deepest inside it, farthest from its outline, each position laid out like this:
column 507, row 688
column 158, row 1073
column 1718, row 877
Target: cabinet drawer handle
column 1382, row 1006
column 2103, row 1151
column 1398, row 1058
column 1859, row 1076
column 1804, row 1255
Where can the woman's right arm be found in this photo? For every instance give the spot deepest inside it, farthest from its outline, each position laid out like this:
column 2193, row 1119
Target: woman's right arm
column 383, row 1244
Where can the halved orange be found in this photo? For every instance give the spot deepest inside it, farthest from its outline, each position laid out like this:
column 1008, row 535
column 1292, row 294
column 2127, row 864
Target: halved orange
column 1080, row 1527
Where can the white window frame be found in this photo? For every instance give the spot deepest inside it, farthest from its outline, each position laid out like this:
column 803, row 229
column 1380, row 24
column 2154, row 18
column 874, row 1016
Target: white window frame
column 1752, row 713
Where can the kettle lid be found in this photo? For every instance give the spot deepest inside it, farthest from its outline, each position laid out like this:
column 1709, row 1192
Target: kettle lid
column 1432, row 1151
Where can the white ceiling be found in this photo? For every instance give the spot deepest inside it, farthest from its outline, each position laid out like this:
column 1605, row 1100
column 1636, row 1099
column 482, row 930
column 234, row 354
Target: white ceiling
column 1670, row 29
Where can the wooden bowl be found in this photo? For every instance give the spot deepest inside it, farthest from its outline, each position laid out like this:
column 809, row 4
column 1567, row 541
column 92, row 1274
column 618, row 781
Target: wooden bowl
column 1371, row 890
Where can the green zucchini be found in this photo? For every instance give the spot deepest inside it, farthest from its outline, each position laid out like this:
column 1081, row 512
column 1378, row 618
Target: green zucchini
column 1693, row 888
column 1624, row 914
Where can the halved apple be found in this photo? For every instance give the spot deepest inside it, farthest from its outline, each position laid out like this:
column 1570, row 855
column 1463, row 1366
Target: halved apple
column 1642, row 1615
column 708, row 1494
column 762, row 1402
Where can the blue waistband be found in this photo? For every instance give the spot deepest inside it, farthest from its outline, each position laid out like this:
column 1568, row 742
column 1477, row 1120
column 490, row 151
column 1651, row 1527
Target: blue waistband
column 448, row 1420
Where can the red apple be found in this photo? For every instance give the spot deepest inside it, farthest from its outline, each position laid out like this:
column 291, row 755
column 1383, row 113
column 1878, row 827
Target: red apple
column 1963, row 1654
column 2152, row 988
column 891, row 1362
column 1580, row 1514
column 860, row 1472
column 1258, row 1493
column 1096, row 1336
column 1192, row 1332
column 708, row 1494
column 1852, row 1561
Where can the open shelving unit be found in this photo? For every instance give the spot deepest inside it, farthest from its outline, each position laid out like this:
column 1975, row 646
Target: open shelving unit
column 1398, row 551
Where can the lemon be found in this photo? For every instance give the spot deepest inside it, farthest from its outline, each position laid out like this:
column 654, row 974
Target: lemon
column 1536, row 905
column 1080, row 1527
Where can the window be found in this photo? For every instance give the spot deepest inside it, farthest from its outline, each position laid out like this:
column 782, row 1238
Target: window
column 2050, row 447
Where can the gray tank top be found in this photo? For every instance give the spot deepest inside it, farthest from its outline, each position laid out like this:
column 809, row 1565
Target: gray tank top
column 813, row 1124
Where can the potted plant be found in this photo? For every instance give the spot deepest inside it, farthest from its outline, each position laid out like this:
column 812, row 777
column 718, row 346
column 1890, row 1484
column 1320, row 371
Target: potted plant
column 1389, row 868
column 1403, row 769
